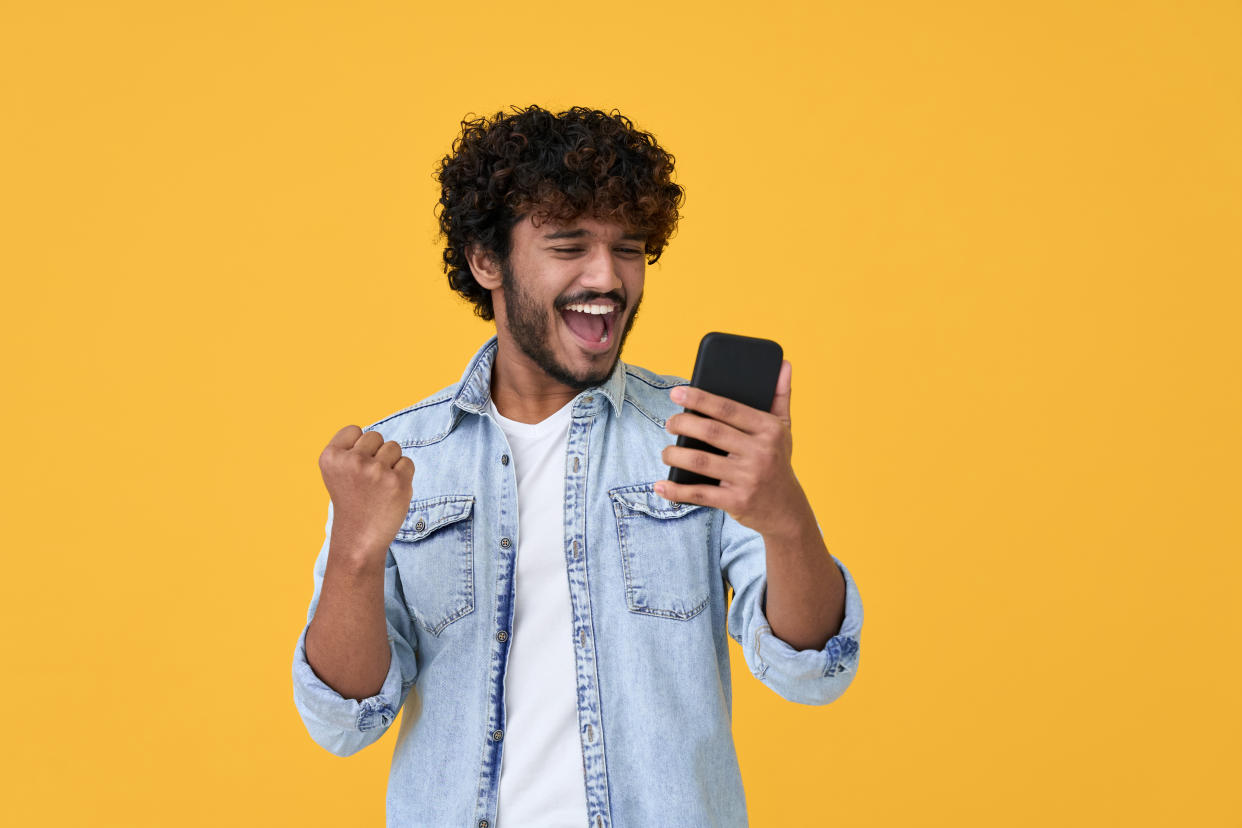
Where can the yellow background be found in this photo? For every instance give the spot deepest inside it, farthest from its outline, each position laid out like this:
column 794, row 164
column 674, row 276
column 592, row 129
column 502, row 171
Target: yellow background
column 999, row 243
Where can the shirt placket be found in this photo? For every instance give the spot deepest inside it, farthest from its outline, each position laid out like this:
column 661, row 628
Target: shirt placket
column 590, row 723
column 502, row 540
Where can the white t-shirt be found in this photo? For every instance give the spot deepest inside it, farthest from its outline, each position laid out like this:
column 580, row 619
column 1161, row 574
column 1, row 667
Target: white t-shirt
column 542, row 779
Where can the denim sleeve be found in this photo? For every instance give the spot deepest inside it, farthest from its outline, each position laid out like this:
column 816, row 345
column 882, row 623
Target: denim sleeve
column 345, row 726
column 803, row 676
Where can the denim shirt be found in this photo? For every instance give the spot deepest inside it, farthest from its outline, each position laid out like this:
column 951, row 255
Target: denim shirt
column 649, row 585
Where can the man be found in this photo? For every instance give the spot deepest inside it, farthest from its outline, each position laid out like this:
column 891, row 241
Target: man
column 506, row 557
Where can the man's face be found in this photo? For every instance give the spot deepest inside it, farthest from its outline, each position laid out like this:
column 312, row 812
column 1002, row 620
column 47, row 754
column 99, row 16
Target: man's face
column 554, row 268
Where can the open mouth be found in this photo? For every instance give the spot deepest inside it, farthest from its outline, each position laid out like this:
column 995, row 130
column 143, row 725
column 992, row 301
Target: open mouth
column 592, row 329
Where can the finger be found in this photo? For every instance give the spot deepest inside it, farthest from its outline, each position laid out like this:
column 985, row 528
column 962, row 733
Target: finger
column 389, row 453
column 698, row 461
column 742, row 417
column 780, row 402
column 701, row 494
column 369, row 443
column 721, row 435
column 346, row 437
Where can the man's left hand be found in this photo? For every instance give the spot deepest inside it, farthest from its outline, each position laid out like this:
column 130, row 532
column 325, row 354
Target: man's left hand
column 757, row 487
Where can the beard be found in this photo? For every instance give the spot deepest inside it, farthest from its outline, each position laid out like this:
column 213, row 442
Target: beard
column 528, row 323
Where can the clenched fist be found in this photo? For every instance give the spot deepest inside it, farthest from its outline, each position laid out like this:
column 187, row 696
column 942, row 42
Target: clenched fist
column 370, row 483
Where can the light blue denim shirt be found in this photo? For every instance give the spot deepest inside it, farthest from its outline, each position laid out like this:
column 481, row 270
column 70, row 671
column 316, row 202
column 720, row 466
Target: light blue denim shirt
column 649, row 584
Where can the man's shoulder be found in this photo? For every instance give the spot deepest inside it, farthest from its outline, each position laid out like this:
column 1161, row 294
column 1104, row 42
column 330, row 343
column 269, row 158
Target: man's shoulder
column 647, row 391
column 650, row 381
column 420, row 422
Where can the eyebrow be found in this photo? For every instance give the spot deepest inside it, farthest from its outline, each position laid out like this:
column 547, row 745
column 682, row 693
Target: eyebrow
column 581, row 231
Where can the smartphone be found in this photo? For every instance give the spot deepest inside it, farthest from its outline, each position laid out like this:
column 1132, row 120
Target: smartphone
column 742, row 368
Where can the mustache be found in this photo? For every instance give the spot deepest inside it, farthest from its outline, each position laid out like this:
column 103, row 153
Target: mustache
column 577, row 300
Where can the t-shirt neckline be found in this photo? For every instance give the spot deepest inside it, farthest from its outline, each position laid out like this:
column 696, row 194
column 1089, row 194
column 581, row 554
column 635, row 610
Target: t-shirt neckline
column 548, row 423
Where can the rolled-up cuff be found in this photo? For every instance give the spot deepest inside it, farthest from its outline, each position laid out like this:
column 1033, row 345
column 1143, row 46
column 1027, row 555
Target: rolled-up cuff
column 811, row 676
column 328, row 715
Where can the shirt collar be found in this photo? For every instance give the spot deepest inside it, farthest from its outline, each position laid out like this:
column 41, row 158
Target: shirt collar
column 475, row 386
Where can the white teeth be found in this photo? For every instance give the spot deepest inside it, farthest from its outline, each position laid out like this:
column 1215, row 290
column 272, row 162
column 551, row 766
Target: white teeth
column 592, row 309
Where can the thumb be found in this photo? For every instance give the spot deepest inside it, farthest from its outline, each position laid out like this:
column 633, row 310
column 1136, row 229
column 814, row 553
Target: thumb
column 780, row 401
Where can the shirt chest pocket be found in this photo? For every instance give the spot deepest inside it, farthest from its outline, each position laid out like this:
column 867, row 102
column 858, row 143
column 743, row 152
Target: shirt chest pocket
column 434, row 551
column 666, row 557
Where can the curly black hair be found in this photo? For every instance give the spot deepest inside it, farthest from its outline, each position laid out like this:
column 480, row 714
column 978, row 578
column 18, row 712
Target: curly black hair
column 551, row 166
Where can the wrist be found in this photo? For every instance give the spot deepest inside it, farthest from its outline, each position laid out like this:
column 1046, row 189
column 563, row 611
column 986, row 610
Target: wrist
column 797, row 532
column 357, row 557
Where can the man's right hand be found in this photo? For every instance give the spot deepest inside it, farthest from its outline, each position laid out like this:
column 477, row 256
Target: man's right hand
column 370, row 482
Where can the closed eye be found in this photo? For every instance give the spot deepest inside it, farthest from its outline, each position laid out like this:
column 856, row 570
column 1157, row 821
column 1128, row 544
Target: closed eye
column 627, row 250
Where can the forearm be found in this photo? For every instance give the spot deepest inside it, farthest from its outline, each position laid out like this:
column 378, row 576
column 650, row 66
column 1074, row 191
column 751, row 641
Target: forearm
column 347, row 641
column 805, row 601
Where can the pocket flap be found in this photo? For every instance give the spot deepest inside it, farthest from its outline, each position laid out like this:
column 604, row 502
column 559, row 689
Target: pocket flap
column 642, row 498
column 429, row 514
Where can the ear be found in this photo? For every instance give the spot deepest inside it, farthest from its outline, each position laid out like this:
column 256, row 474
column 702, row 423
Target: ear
column 484, row 269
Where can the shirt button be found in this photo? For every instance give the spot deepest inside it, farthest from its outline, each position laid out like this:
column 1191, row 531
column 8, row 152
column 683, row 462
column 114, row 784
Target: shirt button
column 505, row 543
column 497, row 735
column 482, row 823
column 420, row 525
column 502, row 636
column 504, row 459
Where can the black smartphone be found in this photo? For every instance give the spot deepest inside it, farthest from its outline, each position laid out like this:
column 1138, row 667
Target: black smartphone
column 742, row 368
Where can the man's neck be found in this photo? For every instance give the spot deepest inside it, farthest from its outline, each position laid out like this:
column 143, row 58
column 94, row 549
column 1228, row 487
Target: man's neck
column 521, row 391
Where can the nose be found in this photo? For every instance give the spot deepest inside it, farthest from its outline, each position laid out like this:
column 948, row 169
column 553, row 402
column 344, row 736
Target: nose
column 599, row 271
